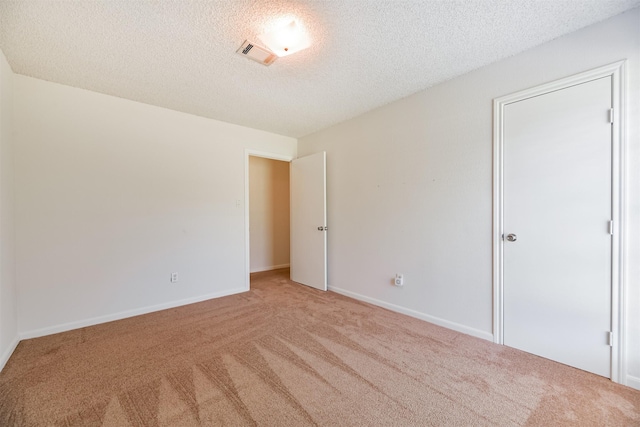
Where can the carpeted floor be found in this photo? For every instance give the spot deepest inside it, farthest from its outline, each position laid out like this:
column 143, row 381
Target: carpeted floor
column 287, row 355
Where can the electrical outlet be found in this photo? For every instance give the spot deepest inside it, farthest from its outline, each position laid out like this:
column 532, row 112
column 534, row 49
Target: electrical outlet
column 399, row 281
column 174, row 277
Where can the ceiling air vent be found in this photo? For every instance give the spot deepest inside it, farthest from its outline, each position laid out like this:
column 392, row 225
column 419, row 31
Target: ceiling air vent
column 257, row 53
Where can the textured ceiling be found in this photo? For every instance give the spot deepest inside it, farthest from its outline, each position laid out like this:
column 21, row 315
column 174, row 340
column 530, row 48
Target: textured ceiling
column 365, row 53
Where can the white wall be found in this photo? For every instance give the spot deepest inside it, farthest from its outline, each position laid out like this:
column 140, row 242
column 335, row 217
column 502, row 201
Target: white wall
column 268, row 213
column 113, row 195
column 410, row 185
column 8, row 315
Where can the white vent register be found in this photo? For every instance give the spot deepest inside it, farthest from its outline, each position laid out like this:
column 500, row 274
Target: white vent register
column 257, row 53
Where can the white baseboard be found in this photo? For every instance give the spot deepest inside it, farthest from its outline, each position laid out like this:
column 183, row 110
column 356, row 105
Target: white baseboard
column 633, row 382
column 8, row 352
column 273, row 267
column 419, row 315
column 123, row 314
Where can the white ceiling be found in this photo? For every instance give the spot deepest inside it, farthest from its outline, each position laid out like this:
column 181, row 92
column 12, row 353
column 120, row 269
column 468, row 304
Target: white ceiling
column 180, row 54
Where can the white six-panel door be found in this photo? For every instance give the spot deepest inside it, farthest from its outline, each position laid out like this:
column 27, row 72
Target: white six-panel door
column 309, row 221
column 557, row 204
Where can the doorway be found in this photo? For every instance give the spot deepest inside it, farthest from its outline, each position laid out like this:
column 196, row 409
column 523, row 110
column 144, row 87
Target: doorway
column 558, row 222
column 307, row 219
column 269, row 221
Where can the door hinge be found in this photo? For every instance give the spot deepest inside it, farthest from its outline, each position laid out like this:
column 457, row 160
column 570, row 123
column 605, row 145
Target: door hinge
column 610, row 115
column 611, row 227
column 610, row 339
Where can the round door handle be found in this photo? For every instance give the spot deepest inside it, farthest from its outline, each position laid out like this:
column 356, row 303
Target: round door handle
column 512, row 237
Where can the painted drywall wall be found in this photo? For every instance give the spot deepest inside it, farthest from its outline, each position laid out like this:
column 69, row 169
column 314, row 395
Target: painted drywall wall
column 112, row 196
column 410, row 185
column 268, row 213
column 8, row 315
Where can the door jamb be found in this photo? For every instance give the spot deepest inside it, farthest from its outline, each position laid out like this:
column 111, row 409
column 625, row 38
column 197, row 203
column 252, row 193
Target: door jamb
column 618, row 205
column 247, row 248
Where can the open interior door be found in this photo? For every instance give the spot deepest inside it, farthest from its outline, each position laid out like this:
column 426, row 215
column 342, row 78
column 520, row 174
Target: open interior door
column 309, row 221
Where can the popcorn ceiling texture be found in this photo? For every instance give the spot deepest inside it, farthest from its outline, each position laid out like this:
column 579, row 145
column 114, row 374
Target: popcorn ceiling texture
column 365, row 53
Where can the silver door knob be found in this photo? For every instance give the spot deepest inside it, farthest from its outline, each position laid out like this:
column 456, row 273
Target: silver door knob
column 512, row 237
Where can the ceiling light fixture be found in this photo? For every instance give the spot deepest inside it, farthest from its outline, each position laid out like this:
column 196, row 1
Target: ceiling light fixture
column 286, row 40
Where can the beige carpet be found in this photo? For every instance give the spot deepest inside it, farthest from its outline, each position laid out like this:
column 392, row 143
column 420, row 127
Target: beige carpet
column 288, row 355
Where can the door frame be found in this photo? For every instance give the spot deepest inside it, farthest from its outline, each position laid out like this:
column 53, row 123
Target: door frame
column 247, row 243
column 618, row 204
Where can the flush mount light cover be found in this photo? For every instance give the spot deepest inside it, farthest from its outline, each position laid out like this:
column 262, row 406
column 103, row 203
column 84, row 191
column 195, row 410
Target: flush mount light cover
column 286, row 40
